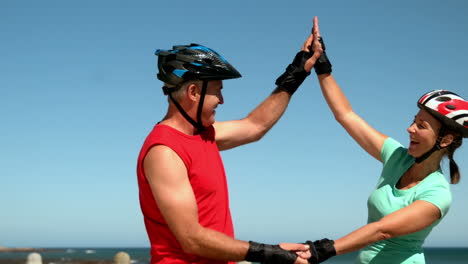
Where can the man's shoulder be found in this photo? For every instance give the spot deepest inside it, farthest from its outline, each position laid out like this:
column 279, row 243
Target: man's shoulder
column 161, row 152
column 163, row 132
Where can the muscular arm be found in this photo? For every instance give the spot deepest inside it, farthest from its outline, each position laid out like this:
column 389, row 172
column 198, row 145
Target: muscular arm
column 366, row 136
column 168, row 179
column 410, row 219
column 230, row 134
column 167, row 176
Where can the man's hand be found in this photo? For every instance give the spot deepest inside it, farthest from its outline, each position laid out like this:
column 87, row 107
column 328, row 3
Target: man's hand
column 303, row 62
column 274, row 254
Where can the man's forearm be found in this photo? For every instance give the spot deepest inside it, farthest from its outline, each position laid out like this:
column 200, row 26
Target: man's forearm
column 214, row 245
column 270, row 110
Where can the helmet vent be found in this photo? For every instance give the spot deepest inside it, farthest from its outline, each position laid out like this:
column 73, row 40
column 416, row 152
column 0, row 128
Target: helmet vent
column 443, row 98
column 451, row 107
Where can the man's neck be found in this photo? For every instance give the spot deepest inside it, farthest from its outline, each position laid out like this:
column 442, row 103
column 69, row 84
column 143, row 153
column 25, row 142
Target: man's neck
column 178, row 122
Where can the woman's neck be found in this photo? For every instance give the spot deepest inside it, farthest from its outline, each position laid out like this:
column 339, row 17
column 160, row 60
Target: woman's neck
column 419, row 171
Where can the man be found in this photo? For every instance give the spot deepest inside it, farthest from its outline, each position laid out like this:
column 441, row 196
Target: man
column 182, row 183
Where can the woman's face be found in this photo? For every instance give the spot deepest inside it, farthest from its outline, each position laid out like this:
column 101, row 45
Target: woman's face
column 423, row 133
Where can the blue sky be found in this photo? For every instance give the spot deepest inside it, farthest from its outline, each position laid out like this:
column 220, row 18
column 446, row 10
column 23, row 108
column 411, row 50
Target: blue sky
column 78, row 95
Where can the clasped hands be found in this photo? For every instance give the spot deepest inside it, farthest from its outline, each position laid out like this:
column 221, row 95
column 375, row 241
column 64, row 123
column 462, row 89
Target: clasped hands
column 312, row 252
column 302, row 251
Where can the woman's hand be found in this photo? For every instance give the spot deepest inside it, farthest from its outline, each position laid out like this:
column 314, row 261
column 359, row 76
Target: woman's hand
column 301, row 250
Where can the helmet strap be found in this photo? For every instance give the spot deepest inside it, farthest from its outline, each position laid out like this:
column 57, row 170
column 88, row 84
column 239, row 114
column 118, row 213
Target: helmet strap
column 200, row 126
column 197, row 124
column 434, row 149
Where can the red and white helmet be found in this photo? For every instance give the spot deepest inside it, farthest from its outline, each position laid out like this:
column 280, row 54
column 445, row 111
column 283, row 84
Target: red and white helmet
column 447, row 107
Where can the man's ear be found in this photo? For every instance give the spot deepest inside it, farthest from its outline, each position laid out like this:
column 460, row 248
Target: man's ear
column 193, row 91
column 446, row 140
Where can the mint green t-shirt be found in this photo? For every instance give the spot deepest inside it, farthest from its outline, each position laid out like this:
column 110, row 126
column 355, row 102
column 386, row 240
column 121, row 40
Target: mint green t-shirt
column 386, row 199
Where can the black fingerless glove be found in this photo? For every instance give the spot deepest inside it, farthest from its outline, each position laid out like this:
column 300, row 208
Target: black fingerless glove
column 321, row 250
column 295, row 73
column 269, row 254
column 323, row 65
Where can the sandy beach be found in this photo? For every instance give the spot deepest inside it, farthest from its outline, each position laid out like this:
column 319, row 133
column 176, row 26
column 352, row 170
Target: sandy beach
column 69, row 255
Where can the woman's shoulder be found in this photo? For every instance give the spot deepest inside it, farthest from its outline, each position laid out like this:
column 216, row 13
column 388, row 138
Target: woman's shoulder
column 393, row 150
column 436, row 179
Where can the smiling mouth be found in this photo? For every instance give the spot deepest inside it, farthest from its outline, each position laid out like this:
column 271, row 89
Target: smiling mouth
column 413, row 143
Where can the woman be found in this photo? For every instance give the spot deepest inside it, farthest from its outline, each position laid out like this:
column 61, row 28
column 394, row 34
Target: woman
column 412, row 195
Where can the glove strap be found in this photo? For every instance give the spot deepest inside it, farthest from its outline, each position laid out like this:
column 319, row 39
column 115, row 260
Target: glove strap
column 269, row 254
column 295, row 73
column 256, row 252
column 325, row 249
column 313, row 251
column 323, row 65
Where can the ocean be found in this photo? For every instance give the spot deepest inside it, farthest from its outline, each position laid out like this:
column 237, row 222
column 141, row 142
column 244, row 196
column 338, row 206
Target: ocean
column 141, row 256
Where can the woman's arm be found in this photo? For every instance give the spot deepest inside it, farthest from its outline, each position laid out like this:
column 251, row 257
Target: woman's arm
column 370, row 139
column 408, row 220
column 366, row 136
column 411, row 219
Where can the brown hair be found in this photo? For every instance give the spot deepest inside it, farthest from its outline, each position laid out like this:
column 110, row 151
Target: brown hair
column 454, row 171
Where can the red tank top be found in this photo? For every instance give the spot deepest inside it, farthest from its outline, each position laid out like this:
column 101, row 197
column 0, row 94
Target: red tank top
column 206, row 173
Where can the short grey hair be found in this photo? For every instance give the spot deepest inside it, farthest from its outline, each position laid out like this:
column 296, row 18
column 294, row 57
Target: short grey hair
column 180, row 90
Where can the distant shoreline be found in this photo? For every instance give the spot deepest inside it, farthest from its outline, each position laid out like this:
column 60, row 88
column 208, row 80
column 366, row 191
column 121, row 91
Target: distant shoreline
column 5, row 249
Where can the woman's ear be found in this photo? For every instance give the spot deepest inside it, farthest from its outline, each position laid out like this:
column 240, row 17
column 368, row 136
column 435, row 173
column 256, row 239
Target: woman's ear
column 446, row 140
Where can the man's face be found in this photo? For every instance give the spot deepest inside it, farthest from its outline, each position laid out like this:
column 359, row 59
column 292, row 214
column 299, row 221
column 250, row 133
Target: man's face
column 213, row 98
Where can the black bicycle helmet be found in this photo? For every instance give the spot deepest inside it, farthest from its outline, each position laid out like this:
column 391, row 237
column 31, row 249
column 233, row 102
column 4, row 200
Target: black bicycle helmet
column 194, row 61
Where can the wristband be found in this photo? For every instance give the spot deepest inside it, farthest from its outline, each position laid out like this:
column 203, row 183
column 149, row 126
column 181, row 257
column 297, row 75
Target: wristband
column 323, row 65
column 295, row 73
column 313, row 251
column 273, row 254
column 324, row 249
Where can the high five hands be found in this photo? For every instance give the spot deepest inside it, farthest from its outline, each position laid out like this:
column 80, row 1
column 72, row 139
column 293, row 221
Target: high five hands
column 313, row 45
column 312, row 55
